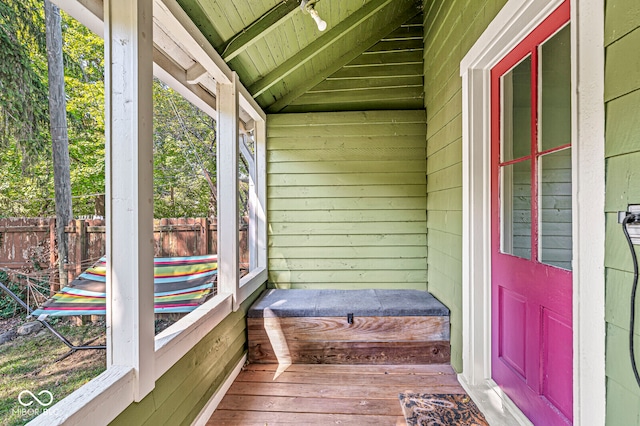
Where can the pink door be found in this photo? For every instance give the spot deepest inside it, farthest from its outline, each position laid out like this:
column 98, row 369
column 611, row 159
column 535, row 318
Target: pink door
column 531, row 223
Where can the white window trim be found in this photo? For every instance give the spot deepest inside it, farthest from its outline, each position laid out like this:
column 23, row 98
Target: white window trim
column 511, row 25
column 129, row 188
column 106, row 396
column 228, row 152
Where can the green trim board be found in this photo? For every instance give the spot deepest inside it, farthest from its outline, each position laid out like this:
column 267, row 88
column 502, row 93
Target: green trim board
column 319, row 45
column 344, row 211
column 258, row 28
column 360, row 38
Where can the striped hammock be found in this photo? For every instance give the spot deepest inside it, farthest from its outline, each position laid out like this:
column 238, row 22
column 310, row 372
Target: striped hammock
column 180, row 285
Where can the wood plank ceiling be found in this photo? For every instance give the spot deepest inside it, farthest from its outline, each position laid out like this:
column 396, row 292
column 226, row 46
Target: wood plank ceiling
column 369, row 57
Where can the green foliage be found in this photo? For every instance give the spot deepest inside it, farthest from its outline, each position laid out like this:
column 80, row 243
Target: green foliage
column 184, row 136
column 32, row 291
column 26, row 175
column 84, row 86
column 25, row 190
column 8, row 306
column 184, row 156
column 23, row 74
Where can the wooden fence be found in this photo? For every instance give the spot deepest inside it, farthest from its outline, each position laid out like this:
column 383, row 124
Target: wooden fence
column 29, row 244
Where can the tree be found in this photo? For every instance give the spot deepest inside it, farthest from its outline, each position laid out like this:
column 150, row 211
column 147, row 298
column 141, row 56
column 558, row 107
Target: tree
column 184, row 144
column 58, row 130
column 184, row 136
column 23, row 90
column 84, row 86
column 26, row 175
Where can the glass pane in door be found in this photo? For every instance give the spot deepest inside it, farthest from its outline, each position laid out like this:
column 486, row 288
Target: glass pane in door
column 555, row 82
column 516, row 209
column 555, row 205
column 516, row 112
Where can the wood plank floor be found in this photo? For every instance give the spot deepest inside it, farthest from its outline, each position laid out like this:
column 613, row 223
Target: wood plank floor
column 328, row 394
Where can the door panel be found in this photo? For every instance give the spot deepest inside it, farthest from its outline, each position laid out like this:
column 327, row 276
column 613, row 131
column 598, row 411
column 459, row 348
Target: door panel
column 512, row 338
column 556, row 385
column 531, row 223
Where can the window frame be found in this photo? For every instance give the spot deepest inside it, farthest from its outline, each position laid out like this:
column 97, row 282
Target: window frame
column 107, row 395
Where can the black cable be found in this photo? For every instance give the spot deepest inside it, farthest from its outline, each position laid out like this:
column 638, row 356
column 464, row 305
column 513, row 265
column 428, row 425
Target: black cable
column 626, row 220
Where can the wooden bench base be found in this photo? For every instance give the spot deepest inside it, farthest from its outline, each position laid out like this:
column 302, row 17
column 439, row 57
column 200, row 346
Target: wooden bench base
column 276, row 337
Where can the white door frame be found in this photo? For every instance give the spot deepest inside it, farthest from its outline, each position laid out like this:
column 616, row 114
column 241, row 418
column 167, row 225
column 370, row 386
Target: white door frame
column 511, row 25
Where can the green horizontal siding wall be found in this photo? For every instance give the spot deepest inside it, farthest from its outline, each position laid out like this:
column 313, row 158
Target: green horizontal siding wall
column 622, row 151
column 347, row 200
column 183, row 391
column 451, row 27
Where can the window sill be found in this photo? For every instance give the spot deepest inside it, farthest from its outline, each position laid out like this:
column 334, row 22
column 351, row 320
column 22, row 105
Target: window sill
column 109, row 394
column 177, row 340
column 98, row 402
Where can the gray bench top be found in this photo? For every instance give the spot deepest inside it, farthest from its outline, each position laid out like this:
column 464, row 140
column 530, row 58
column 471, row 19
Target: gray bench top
column 338, row 303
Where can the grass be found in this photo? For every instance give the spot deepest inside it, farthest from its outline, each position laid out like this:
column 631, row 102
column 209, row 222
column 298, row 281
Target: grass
column 29, row 363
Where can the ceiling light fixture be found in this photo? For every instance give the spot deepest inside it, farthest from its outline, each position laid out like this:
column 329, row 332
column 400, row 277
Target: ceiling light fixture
column 308, row 6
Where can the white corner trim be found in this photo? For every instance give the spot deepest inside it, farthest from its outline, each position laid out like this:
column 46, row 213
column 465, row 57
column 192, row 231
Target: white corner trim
column 497, row 407
column 476, row 226
column 589, row 337
column 96, row 403
column 228, row 153
column 261, row 193
column 510, row 26
column 207, row 411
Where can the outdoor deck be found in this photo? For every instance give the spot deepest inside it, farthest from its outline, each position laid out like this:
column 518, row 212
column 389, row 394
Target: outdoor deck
column 328, row 394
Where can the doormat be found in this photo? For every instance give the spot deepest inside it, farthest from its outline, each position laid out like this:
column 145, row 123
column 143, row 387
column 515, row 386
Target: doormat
column 440, row 410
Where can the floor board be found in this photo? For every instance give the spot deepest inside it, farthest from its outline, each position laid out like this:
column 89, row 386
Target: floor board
column 266, row 394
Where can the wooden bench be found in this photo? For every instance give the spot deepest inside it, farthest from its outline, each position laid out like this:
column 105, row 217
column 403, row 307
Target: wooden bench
column 348, row 327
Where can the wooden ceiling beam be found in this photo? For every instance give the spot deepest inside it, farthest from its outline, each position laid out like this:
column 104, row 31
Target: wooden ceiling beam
column 174, row 76
column 202, row 21
column 393, row 22
column 89, row 12
column 196, row 73
column 259, row 28
column 169, row 14
column 318, row 46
